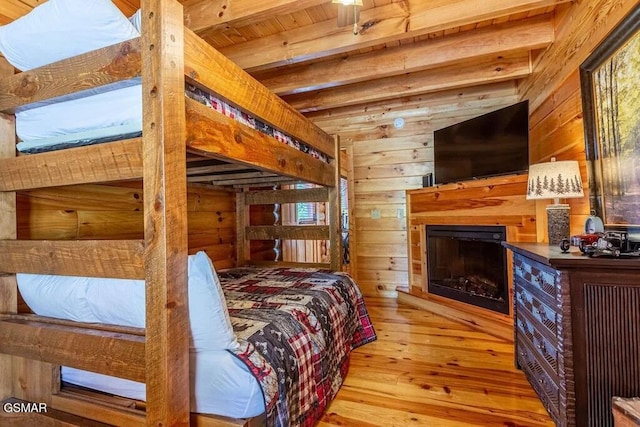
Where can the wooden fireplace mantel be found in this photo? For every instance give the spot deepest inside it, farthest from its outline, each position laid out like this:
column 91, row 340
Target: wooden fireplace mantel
column 491, row 201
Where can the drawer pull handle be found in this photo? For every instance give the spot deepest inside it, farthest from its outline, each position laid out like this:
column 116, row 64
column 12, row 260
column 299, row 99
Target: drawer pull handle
column 542, row 314
column 541, row 381
column 542, row 348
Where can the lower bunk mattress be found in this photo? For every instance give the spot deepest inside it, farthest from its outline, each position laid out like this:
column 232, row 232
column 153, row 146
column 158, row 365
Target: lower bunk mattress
column 296, row 329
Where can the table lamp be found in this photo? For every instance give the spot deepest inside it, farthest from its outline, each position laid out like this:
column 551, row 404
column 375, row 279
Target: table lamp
column 555, row 180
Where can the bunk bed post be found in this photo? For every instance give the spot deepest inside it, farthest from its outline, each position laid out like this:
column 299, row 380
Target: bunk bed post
column 335, row 241
column 8, row 230
column 243, row 245
column 165, row 206
column 351, row 230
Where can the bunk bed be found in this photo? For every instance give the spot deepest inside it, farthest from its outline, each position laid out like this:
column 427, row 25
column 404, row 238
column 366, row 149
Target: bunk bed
column 179, row 139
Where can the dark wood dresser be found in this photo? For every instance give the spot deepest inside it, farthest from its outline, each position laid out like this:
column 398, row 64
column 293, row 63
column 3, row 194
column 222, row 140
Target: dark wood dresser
column 577, row 330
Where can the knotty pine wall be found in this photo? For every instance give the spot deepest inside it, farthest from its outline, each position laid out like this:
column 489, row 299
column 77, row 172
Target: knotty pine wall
column 115, row 212
column 388, row 161
column 553, row 90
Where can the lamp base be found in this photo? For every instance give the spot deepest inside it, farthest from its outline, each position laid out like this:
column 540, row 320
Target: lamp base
column 557, row 222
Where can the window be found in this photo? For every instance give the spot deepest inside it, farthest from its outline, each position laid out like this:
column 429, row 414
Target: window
column 306, row 213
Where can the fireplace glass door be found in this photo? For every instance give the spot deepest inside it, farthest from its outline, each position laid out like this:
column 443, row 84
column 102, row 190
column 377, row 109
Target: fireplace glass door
column 468, row 264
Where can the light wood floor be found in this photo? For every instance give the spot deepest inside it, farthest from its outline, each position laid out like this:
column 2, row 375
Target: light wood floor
column 425, row 370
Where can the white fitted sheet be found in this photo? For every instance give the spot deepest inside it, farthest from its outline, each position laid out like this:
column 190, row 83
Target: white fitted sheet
column 64, row 121
column 220, row 384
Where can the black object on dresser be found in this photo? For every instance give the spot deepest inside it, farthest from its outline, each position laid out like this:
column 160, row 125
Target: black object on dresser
column 577, row 330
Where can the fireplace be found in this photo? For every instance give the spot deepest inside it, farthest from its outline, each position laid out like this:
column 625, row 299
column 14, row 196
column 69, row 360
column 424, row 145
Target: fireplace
column 468, row 264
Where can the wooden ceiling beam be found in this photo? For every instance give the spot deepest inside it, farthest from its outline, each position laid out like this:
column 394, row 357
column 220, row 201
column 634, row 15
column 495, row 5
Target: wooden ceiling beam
column 425, row 107
column 215, row 15
column 496, row 40
column 487, row 70
column 389, row 23
column 422, row 104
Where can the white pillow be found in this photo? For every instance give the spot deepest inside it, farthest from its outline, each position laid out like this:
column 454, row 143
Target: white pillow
column 62, row 297
column 60, row 29
column 122, row 302
column 211, row 326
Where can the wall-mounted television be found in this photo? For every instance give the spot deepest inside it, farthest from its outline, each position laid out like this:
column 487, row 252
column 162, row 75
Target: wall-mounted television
column 495, row 143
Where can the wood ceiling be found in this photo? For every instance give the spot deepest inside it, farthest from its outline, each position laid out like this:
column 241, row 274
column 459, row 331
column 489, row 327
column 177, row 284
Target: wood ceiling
column 404, row 47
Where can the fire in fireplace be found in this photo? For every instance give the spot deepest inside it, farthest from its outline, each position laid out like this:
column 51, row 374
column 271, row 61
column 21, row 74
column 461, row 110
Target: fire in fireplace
column 468, row 264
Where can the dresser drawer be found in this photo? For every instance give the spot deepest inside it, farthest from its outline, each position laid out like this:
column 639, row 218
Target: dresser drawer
column 536, row 309
column 538, row 276
column 544, row 384
column 545, row 349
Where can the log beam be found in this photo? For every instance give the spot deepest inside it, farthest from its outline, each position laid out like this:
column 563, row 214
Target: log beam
column 385, row 24
column 488, row 70
column 496, row 40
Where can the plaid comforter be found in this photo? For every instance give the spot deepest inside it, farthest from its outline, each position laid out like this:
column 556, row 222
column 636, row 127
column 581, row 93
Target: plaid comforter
column 296, row 328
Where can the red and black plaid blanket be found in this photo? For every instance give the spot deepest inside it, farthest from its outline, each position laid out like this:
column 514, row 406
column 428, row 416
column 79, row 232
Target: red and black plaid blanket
column 296, row 328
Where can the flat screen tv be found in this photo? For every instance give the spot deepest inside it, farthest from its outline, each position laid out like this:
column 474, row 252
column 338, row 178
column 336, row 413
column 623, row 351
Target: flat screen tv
column 496, row 143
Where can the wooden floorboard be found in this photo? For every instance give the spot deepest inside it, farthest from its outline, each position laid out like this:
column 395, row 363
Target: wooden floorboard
column 425, row 370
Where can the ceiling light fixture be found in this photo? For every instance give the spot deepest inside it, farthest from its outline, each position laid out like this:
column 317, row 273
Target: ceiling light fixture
column 348, row 13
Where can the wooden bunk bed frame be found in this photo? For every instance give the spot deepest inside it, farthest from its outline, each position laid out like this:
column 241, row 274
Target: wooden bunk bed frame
column 166, row 55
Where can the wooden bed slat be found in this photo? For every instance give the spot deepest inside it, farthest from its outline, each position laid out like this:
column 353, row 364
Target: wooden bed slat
column 210, row 69
column 269, row 197
column 214, row 135
column 82, row 402
column 110, row 353
column 93, row 69
column 292, row 232
column 93, row 258
column 290, row 264
column 114, row 161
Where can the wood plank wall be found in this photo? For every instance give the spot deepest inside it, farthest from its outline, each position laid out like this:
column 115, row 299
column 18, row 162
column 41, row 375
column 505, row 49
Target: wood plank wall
column 553, row 90
column 115, row 212
column 388, row 161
